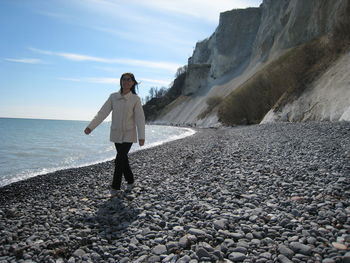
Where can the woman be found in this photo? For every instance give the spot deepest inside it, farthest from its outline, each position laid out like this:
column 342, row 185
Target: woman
column 127, row 118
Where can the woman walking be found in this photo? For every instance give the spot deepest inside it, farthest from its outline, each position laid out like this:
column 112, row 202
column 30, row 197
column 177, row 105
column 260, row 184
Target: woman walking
column 128, row 127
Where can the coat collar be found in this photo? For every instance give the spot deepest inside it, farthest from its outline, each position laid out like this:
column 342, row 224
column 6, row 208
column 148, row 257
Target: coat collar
column 125, row 97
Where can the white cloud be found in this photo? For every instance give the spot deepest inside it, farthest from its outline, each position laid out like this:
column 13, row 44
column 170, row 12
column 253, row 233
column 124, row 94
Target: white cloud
column 172, row 67
column 116, row 80
column 93, row 80
column 156, row 81
column 80, row 57
column 25, row 60
column 207, row 10
column 152, row 37
column 168, row 66
column 56, row 15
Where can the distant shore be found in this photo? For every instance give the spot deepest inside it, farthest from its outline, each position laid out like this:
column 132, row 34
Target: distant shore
column 263, row 193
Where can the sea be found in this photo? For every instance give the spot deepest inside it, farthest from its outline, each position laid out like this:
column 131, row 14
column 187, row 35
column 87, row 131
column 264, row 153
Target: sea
column 31, row 147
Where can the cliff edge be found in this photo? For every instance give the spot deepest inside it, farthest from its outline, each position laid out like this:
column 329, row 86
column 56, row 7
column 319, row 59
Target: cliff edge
column 245, row 68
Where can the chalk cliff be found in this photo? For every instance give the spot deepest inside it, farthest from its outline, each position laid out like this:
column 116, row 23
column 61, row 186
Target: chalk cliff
column 245, row 41
column 327, row 99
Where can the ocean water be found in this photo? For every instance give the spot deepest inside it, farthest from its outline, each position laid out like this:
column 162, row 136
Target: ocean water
column 29, row 147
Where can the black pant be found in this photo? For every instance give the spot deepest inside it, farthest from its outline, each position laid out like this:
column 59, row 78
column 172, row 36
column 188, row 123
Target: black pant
column 122, row 165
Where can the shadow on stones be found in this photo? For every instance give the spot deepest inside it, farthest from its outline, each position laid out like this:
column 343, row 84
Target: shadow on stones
column 111, row 220
column 114, row 216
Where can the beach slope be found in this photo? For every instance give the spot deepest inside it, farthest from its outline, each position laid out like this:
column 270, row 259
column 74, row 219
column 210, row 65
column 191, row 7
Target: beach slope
column 263, row 193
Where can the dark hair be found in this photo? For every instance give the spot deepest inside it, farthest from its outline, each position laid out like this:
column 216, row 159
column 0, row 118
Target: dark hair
column 133, row 79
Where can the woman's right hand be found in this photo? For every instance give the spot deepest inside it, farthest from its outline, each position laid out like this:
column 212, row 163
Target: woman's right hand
column 87, row 130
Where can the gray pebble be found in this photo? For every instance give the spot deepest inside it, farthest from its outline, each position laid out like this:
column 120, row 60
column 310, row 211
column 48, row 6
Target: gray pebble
column 237, row 256
column 300, row 248
column 231, row 195
column 285, row 251
column 284, row 259
column 202, row 253
column 159, row 250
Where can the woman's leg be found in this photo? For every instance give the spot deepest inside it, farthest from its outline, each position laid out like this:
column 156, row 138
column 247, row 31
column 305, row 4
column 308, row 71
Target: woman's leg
column 122, row 165
column 117, row 177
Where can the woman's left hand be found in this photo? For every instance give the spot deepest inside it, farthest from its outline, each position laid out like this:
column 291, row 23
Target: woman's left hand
column 87, row 131
column 141, row 142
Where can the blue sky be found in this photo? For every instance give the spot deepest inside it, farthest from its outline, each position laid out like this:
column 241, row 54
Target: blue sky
column 60, row 59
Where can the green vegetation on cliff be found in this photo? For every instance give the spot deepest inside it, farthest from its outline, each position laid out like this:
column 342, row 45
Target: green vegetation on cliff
column 154, row 107
column 285, row 78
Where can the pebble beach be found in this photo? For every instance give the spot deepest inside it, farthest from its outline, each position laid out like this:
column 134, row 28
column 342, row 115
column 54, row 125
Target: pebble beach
column 261, row 193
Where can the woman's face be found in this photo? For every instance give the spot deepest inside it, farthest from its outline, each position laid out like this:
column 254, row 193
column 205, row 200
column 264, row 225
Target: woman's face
column 127, row 83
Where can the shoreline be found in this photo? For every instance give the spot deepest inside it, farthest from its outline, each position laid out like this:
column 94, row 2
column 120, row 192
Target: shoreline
column 188, row 131
column 106, row 164
column 272, row 192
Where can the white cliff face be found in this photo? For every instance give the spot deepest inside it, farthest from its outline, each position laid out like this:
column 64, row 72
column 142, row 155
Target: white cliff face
column 186, row 110
column 288, row 23
column 327, row 100
column 243, row 42
column 346, row 115
column 230, row 47
column 233, row 41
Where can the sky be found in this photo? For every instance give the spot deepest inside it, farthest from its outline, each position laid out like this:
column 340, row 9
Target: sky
column 60, row 59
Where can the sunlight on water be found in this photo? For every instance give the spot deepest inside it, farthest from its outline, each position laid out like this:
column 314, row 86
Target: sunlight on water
column 30, row 147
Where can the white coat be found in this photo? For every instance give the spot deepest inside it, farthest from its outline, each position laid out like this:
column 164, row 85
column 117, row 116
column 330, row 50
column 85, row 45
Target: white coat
column 127, row 117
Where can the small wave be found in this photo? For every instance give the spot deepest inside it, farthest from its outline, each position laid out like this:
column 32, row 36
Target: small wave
column 189, row 132
column 30, row 174
column 27, row 154
column 73, row 162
